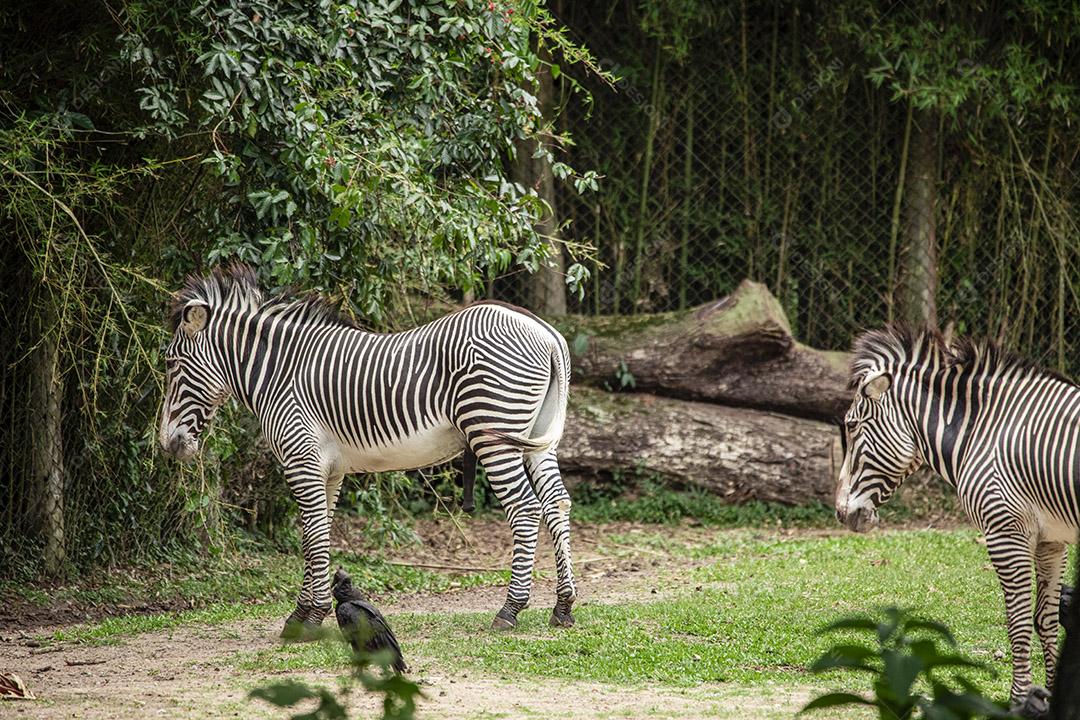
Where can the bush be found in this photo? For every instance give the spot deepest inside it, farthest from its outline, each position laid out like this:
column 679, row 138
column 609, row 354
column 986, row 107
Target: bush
column 906, row 661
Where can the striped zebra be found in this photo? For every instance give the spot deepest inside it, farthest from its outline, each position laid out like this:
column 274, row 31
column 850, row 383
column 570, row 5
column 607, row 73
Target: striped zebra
column 333, row 399
column 1003, row 432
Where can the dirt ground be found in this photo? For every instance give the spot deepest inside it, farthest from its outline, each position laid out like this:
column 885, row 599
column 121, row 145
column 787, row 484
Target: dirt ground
column 187, row 672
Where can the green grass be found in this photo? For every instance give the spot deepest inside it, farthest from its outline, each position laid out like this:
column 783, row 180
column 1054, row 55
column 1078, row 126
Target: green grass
column 651, row 503
column 670, row 507
column 752, row 620
column 113, row 630
column 257, row 585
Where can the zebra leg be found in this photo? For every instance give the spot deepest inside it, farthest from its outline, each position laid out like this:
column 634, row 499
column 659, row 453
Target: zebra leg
column 505, row 470
column 333, row 490
column 543, row 469
column 1011, row 556
column 308, row 484
column 1049, row 566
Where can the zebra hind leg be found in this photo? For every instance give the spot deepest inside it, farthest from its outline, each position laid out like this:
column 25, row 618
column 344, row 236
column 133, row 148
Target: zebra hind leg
column 506, row 474
column 1011, row 555
column 1049, row 567
column 555, row 503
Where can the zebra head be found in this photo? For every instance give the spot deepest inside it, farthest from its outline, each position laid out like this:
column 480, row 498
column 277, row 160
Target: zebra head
column 194, row 387
column 880, row 451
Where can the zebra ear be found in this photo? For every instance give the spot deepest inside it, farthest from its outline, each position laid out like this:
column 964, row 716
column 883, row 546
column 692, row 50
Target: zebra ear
column 877, row 386
column 194, row 318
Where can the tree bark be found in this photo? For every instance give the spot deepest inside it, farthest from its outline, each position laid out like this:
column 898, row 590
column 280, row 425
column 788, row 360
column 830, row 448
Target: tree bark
column 738, row 454
column 46, row 444
column 737, row 351
column 547, row 286
column 919, row 299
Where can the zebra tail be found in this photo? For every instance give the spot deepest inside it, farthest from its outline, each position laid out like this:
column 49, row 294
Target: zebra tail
column 468, row 481
column 560, row 358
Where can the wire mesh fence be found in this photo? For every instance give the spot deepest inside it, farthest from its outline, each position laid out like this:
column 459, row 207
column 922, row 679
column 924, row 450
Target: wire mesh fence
column 757, row 149
column 764, row 151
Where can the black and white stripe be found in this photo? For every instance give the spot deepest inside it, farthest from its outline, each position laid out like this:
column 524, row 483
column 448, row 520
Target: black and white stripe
column 1005, row 433
column 334, row 399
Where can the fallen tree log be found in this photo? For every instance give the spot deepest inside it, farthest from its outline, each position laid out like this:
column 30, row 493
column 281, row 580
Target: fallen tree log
column 738, row 454
column 736, row 351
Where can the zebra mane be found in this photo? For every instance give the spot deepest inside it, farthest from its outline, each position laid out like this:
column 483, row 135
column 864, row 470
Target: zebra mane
column 234, row 286
column 897, row 346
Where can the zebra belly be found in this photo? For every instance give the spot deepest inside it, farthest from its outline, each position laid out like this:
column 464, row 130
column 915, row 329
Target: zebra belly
column 422, row 448
column 1054, row 529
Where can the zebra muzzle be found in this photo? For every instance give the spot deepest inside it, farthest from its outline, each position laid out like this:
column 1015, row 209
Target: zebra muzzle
column 861, row 519
column 181, row 446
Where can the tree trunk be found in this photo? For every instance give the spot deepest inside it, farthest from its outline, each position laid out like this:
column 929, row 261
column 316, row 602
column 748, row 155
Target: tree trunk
column 737, row 351
column 919, row 299
column 46, row 445
column 547, row 286
column 737, row 454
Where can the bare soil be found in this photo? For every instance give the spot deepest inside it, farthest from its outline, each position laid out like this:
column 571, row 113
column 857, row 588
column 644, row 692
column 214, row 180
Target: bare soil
column 188, row 671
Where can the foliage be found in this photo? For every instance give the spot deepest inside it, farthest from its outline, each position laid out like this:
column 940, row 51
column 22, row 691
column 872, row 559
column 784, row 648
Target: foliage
column 943, row 57
column 908, row 654
column 370, row 671
column 355, row 148
column 623, row 377
column 340, row 133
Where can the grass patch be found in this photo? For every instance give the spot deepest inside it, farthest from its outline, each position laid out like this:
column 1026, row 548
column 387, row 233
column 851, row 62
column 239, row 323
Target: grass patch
column 644, row 500
column 113, row 630
column 226, row 590
column 752, row 620
column 637, row 497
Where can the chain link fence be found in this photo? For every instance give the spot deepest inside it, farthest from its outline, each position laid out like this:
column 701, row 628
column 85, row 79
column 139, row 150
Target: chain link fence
column 759, row 149
column 764, row 152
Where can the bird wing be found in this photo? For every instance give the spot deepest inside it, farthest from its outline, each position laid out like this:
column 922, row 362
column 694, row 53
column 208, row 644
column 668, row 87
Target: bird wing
column 365, row 627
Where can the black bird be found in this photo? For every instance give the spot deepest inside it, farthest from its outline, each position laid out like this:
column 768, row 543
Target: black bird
column 361, row 622
column 1068, row 597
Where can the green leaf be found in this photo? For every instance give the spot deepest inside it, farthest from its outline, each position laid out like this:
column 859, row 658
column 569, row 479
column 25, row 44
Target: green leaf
column 899, row 673
column 932, row 626
column 284, row 694
column 834, row 662
column 850, row 623
column 835, row 699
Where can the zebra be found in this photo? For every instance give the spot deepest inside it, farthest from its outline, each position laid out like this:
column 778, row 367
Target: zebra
column 1003, row 432
column 490, row 380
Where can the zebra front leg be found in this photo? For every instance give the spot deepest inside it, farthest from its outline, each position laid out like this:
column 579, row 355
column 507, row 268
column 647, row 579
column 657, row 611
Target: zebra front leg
column 506, row 475
column 555, row 504
column 1011, row 556
column 308, row 486
column 1049, row 566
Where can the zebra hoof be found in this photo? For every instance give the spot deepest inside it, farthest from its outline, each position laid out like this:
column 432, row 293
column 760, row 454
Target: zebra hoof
column 294, row 624
column 500, row 624
column 561, row 615
column 293, row 630
column 307, row 631
column 504, row 620
column 304, row 624
column 1035, row 706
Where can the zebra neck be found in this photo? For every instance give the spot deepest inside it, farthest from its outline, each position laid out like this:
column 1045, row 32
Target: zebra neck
column 940, row 406
column 261, row 353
